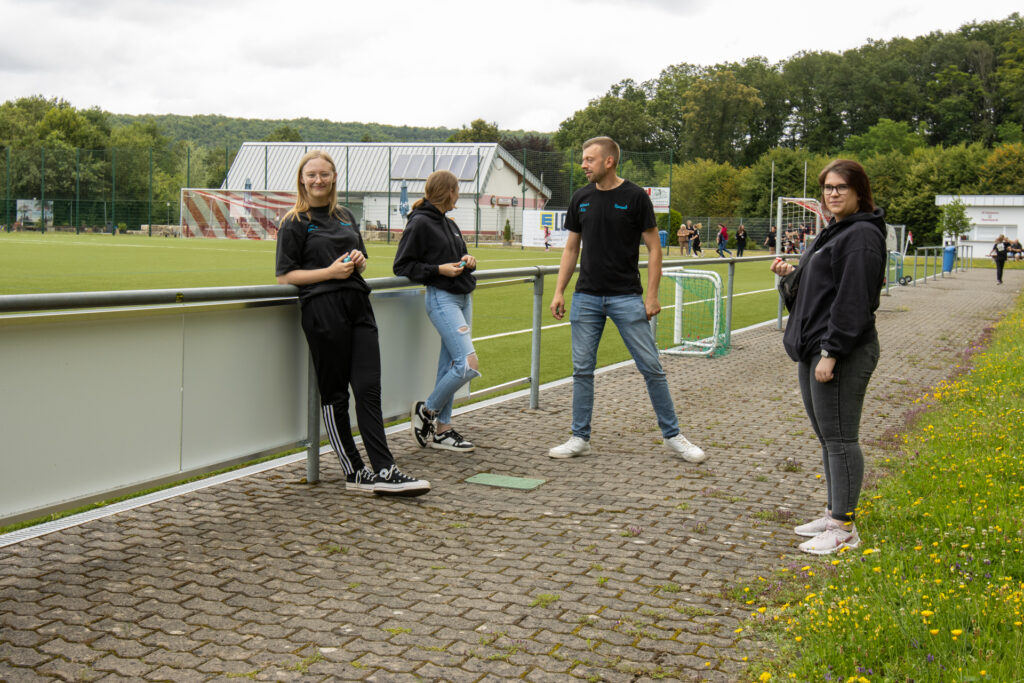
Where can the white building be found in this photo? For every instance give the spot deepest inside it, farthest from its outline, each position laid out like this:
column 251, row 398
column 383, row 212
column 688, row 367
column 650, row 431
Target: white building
column 990, row 216
column 493, row 186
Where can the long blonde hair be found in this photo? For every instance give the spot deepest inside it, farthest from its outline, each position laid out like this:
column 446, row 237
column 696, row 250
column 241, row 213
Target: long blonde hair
column 438, row 190
column 302, row 199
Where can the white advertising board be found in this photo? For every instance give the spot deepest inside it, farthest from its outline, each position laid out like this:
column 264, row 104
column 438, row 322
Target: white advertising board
column 540, row 224
column 660, row 197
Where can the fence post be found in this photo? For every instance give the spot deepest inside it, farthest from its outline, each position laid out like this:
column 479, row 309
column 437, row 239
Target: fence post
column 7, row 182
column 476, row 201
column 78, row 191
column 188, row 166
column 150, row 191
column 312, row 424
column 113, row 190
column 42, row 190
column 538, row 307
column 389, row 194
column 728, row 301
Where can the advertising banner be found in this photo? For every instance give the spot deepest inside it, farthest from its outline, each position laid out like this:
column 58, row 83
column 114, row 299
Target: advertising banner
column 542, row 228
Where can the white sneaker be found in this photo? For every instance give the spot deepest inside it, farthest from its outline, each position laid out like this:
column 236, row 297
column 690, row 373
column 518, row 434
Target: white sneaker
column 690, row 453
column 812, row 529
column 832, row 540
column 571, row 448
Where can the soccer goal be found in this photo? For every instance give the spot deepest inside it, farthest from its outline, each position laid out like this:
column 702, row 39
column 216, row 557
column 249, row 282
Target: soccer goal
column 799, row 219
column 698, row 314
column 233, row 214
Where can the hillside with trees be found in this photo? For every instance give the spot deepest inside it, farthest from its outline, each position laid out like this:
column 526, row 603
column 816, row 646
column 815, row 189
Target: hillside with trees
column 941, row 113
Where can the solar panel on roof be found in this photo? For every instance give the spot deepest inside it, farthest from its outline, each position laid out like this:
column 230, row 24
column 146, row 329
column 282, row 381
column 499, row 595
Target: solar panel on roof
column 419, row 166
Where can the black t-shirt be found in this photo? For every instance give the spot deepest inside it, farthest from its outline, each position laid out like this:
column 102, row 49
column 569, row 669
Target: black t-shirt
column 1001, row 249
column 610, row 223
column 315, row 239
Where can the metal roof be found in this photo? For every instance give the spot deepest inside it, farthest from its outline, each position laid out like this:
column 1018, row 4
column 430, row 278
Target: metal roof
column 981, row 199
column 363, row 167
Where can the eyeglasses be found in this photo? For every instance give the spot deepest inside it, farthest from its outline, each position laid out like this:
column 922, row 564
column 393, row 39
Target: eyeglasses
column 322, row 176
column 838, row 189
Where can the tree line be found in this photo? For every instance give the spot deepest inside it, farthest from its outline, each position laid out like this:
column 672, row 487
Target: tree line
column 937, row 114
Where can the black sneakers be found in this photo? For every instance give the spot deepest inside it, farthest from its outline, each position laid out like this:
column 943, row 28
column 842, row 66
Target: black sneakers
column 392, row 482
column 451, row 440
column 422, row 422
column 364, row 480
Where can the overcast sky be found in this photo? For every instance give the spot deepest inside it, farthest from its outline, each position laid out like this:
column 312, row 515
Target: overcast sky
column 525, row 65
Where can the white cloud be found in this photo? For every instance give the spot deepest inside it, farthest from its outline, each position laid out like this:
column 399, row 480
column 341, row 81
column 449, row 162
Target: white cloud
column 525, row 65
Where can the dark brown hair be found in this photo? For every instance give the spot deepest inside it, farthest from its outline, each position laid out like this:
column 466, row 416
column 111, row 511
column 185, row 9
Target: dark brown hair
column 854, row 176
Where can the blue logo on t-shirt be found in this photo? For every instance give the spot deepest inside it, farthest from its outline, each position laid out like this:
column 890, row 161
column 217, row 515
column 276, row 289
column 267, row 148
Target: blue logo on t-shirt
column 621, row 206
column 311, row 228
column 583, row 207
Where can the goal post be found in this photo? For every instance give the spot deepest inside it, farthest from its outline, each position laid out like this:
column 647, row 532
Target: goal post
column 698, row 315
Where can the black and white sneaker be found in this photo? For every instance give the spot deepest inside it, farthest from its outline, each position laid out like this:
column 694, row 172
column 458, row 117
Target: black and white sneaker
column 422, row 423
column 451, row 440
column 364, row 480
column 392, row 482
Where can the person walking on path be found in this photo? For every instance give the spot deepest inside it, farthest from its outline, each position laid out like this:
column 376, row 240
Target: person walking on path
column 741, row 240
column 432, row 252
column 832, row 296
column 320, row 250
column 612, row 216
column 723, row 241
column 1000, row 250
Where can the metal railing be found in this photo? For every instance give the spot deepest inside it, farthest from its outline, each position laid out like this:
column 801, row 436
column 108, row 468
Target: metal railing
column 962, row 260
column 115, row 306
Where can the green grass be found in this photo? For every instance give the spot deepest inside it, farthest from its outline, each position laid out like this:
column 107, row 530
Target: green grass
column 935, row 592
column 63, row 262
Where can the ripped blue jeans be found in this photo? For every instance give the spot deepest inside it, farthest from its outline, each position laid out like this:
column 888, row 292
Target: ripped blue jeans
column 451, row 314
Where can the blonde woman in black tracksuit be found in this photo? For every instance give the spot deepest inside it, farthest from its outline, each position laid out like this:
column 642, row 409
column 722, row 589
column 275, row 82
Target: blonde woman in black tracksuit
column 320, row 250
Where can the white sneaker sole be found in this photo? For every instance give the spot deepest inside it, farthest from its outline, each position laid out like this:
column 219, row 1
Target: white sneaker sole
column 446, row 447
column 564, row 455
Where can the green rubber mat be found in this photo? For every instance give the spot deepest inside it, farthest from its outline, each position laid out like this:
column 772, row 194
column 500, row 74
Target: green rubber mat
column 505, row 481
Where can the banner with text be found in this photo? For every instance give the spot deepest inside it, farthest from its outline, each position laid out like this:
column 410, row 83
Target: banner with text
column 544, row 228
column 659, row 197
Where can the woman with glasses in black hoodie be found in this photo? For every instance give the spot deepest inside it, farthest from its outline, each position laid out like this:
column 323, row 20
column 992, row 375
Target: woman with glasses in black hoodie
column 832, row 297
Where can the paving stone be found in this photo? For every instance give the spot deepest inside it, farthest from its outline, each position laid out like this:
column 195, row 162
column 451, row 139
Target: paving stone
column 237, row 580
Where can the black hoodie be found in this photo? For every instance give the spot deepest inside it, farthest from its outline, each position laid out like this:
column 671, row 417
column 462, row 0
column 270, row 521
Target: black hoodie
column 431, row 239
column 839, row 288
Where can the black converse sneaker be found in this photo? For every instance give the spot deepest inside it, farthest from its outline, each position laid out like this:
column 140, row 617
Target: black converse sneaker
column 451, row 440
column 392, row 482
column 364, row 480
column 422, row 422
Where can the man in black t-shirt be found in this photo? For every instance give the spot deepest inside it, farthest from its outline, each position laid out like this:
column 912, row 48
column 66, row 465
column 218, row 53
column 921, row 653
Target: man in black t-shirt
column 612, row 215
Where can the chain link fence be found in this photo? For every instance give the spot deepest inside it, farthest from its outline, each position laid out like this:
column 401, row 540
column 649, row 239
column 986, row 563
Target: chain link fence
column 100, row 190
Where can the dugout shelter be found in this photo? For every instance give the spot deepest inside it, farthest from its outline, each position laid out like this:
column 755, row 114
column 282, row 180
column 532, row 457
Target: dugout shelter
column 377, row 181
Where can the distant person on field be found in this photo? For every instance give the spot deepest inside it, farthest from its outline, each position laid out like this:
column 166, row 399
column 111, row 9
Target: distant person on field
column 741, row 240
column 432, row 252
column 1016, row 252
column 832, row 297
column 769, row 241
column 683, row 236
column 695, row 249
column 320, row 250
column 1000, row 251
column 611, row 216
column 723, row 241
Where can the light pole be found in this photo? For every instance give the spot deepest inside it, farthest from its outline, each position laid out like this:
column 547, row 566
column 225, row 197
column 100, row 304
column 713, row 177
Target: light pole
column 168, row 214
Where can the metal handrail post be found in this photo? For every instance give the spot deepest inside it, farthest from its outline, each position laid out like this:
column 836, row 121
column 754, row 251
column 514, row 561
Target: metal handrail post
column 914, row 281
column 538, row 306
column 728, row 301
column 312, row 425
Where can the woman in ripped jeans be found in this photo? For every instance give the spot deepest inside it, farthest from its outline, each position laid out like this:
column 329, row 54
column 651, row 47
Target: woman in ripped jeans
column 432, row 252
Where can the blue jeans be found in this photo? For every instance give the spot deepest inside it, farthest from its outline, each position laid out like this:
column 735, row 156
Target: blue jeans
column 587, row 315
column 834, row 409
column 451, row 315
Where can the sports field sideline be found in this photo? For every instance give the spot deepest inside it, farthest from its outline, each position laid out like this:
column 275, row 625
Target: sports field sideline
column 65, row 262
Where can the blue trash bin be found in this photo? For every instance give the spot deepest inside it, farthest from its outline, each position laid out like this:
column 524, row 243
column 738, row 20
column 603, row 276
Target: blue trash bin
column 948, row 258
column 663, row 234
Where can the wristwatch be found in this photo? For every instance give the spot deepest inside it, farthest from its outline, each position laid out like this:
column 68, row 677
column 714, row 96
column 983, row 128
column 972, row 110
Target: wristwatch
column 825, row 354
